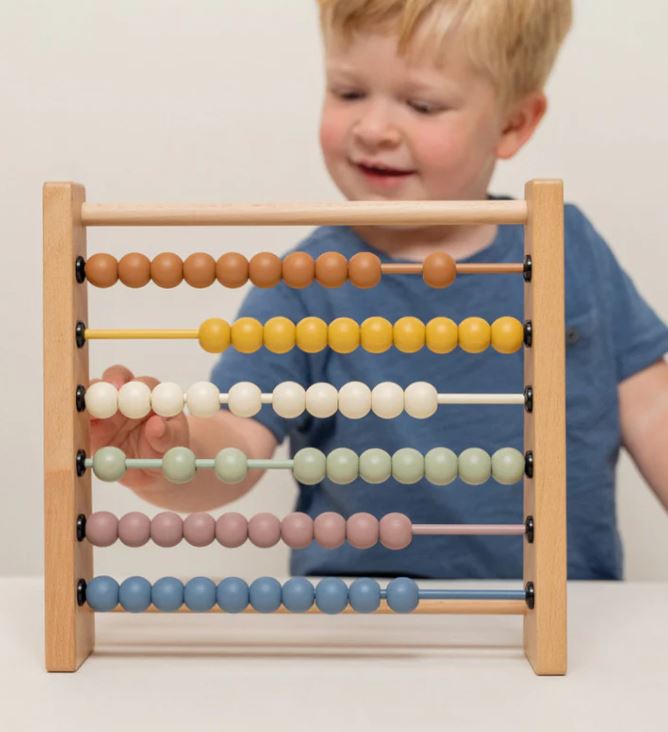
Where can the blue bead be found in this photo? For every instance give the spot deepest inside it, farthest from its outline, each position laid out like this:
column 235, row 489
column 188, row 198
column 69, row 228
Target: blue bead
column 167, row 594
column 265, row 594
column 331, row 595
column 199, row 594
column 402, row 595
column 364, row 595
column 232, row 595
column 134, row 594
column 298, row 594
column 102, row 593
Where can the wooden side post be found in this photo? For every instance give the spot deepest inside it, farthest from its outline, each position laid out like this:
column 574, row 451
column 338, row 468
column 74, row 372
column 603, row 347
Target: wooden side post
column 69, row 628
column 545, row 429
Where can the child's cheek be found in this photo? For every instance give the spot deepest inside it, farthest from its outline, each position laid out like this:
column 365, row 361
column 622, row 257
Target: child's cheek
column 332, row 133
column 438, row 149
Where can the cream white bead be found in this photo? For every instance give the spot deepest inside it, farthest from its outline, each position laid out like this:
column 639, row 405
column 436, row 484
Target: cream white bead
column 387, row 400
column 167, row 399
column 244, row 399
column 289, row 399
column 203, row 399
column 420, row 399
column 322, row 400
column 354, row 400
column 134, row 399
column 101, row 400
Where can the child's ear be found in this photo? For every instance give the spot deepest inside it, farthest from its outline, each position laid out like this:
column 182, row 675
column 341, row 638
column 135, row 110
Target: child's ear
column 519, row 124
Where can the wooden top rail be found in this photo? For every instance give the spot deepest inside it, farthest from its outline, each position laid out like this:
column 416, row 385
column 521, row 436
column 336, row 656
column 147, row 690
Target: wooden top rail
column 305, row 214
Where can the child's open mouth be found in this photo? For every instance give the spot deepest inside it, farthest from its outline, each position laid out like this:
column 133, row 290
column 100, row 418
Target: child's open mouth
column 383, row 175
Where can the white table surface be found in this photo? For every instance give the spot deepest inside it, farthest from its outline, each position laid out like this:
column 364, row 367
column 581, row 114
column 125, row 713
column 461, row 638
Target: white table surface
column 345, row 672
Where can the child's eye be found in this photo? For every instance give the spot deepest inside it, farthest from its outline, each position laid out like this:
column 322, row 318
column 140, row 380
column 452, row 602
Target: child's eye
column 348, row 95
column 424, row 107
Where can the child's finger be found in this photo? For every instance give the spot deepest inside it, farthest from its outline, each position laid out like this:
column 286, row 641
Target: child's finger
column 162, row 434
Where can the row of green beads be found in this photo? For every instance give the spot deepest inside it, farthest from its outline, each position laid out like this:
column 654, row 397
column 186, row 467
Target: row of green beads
column 407, row 465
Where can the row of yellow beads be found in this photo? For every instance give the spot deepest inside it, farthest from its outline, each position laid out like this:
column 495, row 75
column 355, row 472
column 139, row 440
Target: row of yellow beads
column 376, row 335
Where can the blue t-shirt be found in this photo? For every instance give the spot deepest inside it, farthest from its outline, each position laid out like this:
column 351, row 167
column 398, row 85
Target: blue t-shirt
column 611, row 333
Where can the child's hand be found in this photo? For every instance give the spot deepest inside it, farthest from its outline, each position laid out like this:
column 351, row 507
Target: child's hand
column 149, row 437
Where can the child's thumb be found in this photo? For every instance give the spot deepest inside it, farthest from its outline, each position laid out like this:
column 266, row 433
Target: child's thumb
column 162, row 434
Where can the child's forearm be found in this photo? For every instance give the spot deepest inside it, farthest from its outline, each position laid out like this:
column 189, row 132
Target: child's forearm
column 206, row 491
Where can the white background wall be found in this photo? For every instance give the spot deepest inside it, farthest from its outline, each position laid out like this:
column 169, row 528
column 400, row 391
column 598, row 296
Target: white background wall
column 218, row 100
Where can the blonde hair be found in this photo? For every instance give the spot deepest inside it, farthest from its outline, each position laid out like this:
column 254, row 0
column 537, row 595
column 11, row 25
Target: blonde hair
column 513, row 42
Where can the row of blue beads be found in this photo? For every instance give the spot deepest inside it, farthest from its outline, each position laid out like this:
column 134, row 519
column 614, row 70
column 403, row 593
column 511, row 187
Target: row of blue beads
column 265, row 594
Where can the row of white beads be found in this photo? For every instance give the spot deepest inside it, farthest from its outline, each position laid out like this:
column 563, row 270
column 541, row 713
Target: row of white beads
column 289, row 399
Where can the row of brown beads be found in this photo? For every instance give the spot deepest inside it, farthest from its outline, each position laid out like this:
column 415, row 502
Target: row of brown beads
column 264, row 269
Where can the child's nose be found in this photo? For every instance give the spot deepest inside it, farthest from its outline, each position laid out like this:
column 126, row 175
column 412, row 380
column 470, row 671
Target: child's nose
column 376, row 127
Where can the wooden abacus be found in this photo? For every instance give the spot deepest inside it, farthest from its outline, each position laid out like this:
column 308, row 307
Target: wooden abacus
column 69, row 599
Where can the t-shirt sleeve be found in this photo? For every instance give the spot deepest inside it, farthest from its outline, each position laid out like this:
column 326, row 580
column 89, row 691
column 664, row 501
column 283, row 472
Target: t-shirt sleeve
column 264, row 368
column 638, row 335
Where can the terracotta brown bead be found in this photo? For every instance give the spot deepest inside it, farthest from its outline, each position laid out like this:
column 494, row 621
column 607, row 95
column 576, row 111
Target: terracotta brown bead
column 364, row 270
column 102, row 270
column 265, row 269
column 331, row 269
column 298, row 270
column 167, row 270
column 199, row 270
column 232, row 269
column 134, row 270
column 439, row 270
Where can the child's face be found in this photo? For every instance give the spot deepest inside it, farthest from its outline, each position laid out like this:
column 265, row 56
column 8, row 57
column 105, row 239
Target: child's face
column 436, row 129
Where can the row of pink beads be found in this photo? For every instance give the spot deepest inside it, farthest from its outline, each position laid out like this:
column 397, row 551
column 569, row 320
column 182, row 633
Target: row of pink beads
column 298, row 530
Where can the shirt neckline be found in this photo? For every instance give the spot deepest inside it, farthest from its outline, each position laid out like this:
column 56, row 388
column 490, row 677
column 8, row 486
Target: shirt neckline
column 489, row 253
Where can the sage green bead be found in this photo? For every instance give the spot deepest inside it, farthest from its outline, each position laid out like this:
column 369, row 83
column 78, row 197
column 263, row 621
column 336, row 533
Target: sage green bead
column 231, row 465
column 310, row 465
column 109, row 463
column 343, row 466
column 475, row 466
column 407, row 465
column 507, row 465
column 375, row 465
column 178, row 465
column 441, row 466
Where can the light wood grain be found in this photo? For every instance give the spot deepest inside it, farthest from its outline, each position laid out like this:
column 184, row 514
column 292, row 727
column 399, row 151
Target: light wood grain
column 69, row 629
column 304, row 214
column 545, row 429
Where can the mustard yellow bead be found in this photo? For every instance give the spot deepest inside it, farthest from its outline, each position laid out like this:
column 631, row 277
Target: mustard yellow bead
column 474, row 335
column 343, row 335
column 376, row 335
column 311, row 334
column 247, row 335
column 441, row 335
column 507, row 334
column 409, row 334
column 279, row 334
column 214, row 335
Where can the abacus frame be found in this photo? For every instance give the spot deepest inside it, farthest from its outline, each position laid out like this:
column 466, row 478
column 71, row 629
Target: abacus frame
column 70, row 624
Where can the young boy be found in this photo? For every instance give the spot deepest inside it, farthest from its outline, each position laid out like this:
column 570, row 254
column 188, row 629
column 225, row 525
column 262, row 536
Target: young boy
column 422, row 98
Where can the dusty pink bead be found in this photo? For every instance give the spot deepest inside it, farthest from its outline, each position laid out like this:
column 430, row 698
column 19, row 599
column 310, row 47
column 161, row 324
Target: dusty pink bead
column 329, row 529
column 297, row 530
column 167, row 529
column 199, row 529
column 134, row 529
column 362, row 530
column 102, row 528
column 396, row 531
column 264, row 530
column 231, row 529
